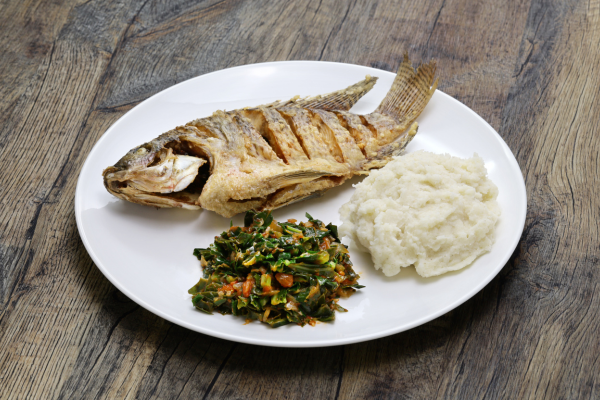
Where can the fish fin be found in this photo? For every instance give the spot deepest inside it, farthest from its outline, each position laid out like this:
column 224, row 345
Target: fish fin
column 297, row 176
column 340, row 100
column 393, row 149
column 302, row 191
column 410, row 92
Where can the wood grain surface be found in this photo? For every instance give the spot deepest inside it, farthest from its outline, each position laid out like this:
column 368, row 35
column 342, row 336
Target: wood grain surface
column 69, row 69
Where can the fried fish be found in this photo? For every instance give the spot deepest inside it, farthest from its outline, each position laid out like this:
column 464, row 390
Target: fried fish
column 272, row 155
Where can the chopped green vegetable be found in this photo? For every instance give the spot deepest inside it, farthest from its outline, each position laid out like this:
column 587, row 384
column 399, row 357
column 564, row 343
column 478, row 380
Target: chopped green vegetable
column 276, row 272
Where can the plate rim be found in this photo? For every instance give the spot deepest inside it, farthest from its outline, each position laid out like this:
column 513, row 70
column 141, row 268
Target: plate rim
column 319, row 343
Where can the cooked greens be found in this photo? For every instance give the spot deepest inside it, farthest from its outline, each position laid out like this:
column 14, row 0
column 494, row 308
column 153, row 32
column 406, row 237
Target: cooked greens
column 276, row 272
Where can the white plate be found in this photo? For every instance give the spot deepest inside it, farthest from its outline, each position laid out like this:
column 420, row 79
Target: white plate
column 147, row 253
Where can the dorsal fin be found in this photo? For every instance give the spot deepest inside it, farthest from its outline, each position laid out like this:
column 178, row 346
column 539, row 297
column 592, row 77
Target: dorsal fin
column 340, row 100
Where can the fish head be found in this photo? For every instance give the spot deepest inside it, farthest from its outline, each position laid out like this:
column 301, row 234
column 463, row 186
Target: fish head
column 157, row 174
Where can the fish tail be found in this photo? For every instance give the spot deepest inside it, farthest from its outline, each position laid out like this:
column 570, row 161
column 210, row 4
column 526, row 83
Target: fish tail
column 410, row 92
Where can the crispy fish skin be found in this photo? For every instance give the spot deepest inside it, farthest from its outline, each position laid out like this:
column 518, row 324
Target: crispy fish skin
column 269, row 156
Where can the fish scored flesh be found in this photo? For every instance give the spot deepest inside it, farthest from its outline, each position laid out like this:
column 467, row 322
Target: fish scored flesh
column 272, row 155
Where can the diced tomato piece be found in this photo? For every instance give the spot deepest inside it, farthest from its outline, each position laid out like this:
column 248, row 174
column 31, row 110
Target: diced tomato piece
column 325, row 244
column 247, row 288
column 227, row 288
column 285, row 280
column 267, row 289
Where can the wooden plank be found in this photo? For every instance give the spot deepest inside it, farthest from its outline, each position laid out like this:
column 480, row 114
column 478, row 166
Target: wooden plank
column 50, row 309
column 28, row 35
column 215, row 36
column 258, row 372
column 185, row 366
column 552, row 121
column 407, row 365
column 25, row 50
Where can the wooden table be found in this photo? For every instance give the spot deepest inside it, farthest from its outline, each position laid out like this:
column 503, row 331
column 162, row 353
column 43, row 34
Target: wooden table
column 70, row 69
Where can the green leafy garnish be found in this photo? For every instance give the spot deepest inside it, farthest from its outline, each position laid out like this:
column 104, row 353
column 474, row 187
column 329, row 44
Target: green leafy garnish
column 275, row 272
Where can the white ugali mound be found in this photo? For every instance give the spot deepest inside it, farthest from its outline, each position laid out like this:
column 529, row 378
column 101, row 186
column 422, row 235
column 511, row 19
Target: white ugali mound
column 433, row 211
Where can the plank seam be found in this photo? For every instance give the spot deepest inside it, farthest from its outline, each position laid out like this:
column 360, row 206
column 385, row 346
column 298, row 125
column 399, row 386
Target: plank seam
column 110, row 333
column 162, row 370
column 201, row 13
column 339, row 384
column 435, row 21
column 113, row 109
column 194, row 370
column 41, row 89
column 133, row 363
column 119, row 45
column 337, row 29
column 214, row 380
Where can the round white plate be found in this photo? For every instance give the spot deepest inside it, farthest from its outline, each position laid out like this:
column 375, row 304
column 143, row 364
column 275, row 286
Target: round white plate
column 147, row 253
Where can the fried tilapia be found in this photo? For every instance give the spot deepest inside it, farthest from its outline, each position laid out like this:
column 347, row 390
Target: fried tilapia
column 272, row 155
